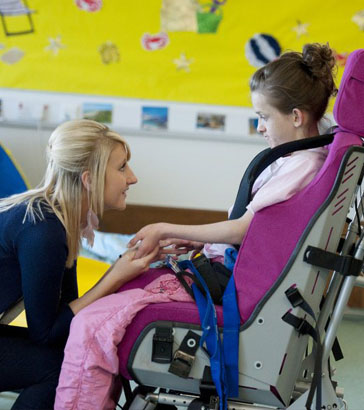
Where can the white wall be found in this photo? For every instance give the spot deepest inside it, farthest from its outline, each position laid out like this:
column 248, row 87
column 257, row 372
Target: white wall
column 183, row 166
column 176, row 170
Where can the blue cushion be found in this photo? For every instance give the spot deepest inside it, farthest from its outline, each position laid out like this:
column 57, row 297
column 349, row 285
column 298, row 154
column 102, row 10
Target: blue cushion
column 11, row 179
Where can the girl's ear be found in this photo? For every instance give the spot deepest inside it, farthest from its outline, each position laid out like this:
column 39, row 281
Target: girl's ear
column 86, row 182
column 298, row 117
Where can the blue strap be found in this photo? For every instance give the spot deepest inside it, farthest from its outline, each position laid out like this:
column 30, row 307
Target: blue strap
column 230, row 258
column 213, row 344
column 231, row 338
column 210, row 334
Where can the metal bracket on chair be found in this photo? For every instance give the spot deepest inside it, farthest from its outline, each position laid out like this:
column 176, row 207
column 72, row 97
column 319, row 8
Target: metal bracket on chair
column 185, row 355
column 162, row 345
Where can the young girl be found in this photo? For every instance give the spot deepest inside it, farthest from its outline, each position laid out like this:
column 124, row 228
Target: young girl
column 40, row 232
column 290, row 96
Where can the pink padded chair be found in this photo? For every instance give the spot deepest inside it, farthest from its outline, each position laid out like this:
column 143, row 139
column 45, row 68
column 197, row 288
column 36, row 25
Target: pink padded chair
column 272, row 368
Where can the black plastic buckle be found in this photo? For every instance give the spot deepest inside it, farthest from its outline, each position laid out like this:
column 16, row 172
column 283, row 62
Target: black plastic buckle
column 181, row 364
column 303, row 327
column 294, row 296
column 185, row 355
column 162, row 345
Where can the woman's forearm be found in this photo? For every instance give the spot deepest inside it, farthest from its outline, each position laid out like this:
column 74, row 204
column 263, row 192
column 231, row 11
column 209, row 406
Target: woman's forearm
column 122, row 271
column 105, row 286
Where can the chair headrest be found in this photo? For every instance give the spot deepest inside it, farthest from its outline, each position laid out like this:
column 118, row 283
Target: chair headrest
column 349, row 104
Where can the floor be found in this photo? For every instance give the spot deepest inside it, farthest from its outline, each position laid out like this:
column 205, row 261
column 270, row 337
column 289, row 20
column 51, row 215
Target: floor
column 350, row 371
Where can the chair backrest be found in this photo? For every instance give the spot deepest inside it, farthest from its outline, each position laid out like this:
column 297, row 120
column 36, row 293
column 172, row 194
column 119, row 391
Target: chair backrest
column 12, row 180
column 275, row 231
column 271, row 351
column 349, row 104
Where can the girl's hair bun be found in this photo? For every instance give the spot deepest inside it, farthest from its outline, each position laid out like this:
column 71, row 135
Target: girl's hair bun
column 319, row 60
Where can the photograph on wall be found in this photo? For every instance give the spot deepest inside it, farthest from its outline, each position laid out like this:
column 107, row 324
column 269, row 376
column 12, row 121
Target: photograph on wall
column 154, row 118
column 211, row 121
column 253, row 125
column 99, row 112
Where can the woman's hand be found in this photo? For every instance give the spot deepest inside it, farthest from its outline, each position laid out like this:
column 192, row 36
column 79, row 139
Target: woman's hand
column 129, row 266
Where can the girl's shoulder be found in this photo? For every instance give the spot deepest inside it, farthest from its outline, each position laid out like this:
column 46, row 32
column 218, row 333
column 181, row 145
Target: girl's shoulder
column 309, row 157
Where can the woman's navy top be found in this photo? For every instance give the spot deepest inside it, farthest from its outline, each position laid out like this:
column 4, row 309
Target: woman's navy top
column 33, row 265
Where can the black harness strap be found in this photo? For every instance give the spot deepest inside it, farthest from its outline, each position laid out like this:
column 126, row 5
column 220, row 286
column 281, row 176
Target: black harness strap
column 303, row 327
column 216, row 276
column 263, row 160
column 180, row 276
column 207, row 386
column 345, row 264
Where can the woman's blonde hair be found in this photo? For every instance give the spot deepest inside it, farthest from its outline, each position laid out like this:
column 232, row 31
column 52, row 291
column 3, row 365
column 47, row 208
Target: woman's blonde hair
column 74, row 147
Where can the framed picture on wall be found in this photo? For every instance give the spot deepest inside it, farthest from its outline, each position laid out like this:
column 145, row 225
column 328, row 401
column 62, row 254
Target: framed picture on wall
column 211, row 121
column 253, row 125
column 99, row 112
column 154, row 118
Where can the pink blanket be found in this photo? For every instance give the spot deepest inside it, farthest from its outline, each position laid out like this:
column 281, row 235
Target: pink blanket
column 91, row 362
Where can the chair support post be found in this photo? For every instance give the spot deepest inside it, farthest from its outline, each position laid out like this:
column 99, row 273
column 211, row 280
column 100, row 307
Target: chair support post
column 342, row 301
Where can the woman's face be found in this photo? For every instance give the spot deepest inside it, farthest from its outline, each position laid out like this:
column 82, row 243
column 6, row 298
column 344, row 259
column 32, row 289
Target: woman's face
column 118, row 177
column 276, row 128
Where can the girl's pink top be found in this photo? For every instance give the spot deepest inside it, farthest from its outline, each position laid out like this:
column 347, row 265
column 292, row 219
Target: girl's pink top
column 280, row 181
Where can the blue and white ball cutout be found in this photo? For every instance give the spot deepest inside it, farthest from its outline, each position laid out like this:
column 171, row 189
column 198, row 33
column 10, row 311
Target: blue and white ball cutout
column 261, row 49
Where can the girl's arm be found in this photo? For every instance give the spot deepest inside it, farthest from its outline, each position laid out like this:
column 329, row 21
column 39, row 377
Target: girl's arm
column 231, row 232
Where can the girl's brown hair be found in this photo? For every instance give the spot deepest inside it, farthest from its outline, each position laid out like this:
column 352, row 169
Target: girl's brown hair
column 299, row 80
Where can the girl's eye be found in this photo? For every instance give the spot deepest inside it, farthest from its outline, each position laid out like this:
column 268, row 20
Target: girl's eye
column 122, row 169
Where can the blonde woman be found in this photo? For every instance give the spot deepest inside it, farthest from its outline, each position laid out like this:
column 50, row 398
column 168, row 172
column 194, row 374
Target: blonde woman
column 40, row 232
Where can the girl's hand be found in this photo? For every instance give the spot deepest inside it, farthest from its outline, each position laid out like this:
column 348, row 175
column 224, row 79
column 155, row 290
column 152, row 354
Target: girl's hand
column 148, row 238
column 179, row 246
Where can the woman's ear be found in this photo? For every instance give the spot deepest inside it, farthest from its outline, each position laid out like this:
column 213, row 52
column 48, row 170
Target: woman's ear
column 86, row 181
column 298, row 117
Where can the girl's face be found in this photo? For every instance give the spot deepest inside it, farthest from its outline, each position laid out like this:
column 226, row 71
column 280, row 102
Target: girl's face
column 277, row 128
column 118, row 177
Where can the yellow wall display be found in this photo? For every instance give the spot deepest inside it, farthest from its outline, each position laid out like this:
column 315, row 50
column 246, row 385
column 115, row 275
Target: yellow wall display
column 193, row 51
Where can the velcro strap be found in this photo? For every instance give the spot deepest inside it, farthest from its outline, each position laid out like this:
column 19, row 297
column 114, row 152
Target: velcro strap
column 345, row 264
column 185, row 355
column 296, row 299
column 301, row 325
